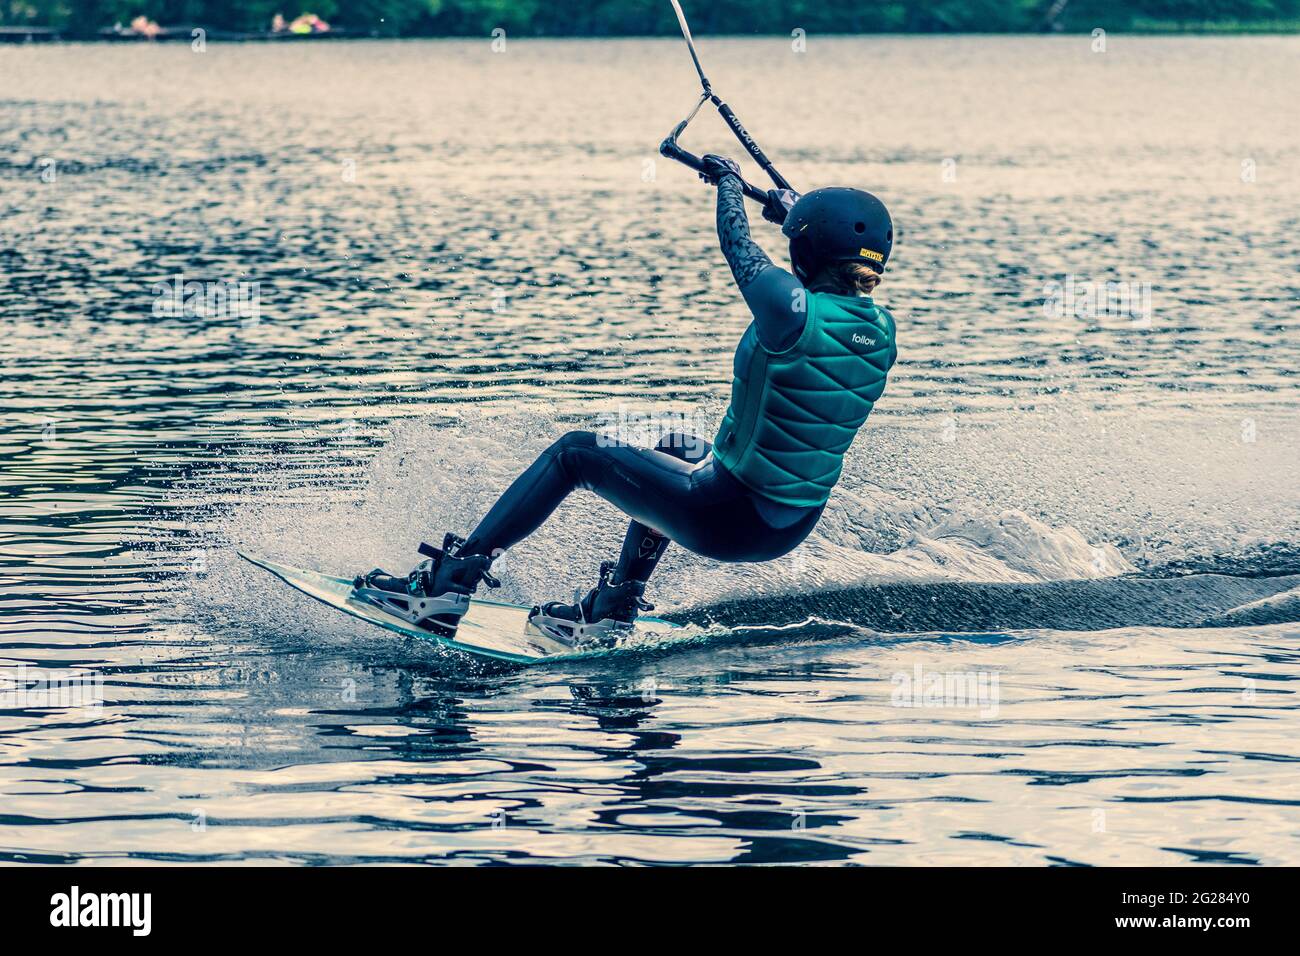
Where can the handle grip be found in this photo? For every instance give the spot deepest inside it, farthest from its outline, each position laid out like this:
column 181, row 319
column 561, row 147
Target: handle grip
column 671, row 150
column 747, row 141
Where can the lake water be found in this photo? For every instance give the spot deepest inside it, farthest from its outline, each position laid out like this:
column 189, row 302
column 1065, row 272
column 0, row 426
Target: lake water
column 459, row 254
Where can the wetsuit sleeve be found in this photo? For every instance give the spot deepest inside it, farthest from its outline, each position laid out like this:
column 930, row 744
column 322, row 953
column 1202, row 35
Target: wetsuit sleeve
column 776, row 298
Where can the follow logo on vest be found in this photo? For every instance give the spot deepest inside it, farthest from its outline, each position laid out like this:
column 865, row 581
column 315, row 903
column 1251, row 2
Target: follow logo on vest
column 859, row 339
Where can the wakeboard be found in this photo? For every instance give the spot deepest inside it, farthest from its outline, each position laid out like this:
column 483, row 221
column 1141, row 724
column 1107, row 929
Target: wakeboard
column 491, row 629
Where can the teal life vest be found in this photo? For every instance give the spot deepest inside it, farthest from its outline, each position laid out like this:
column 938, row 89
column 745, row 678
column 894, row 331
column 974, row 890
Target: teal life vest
column 794, row 413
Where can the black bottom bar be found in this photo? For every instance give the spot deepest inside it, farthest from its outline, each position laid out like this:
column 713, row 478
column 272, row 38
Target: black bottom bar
column 381, row 907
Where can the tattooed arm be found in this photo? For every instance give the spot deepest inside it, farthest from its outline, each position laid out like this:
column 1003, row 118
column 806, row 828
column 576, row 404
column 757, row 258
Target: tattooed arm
column 774, row 296
column 744, row 256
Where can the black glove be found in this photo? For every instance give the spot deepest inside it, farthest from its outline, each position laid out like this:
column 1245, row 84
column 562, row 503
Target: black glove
column 715, row 167
column 778, row 205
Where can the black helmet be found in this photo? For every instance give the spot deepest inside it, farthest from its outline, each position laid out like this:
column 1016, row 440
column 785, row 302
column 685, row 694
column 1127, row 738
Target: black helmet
column 838, row 224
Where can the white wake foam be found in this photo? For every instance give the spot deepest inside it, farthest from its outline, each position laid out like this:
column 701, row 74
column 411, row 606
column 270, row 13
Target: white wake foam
column 431, row 477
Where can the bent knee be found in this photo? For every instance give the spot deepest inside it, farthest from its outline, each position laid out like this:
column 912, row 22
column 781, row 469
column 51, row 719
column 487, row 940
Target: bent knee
column 573, row 440
column 576, row 454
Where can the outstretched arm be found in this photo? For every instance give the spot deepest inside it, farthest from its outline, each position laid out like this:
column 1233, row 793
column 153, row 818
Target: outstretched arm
column 744, row 256
column 775, row 297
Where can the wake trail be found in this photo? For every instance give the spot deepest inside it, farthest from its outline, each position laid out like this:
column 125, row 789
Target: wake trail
column 1204, row 600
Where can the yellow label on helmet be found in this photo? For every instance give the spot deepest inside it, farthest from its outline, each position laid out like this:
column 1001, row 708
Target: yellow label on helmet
column 870, row 254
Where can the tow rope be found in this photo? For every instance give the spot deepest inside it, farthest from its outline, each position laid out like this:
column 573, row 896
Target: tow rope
column 775, row 202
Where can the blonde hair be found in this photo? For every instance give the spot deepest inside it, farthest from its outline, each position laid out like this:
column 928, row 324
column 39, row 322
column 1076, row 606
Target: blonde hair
column 854, row 278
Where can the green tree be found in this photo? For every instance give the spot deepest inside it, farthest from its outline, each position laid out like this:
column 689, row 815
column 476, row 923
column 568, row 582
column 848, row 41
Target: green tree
column 640, row 17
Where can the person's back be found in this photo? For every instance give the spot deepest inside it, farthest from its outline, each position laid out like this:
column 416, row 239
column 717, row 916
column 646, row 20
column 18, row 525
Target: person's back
column 813, row 363
column 794, row 412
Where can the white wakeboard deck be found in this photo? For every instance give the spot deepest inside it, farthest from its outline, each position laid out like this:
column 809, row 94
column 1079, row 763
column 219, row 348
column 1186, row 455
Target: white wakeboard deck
column 490, row 629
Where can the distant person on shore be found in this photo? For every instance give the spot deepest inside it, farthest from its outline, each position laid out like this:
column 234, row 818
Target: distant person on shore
column 145, row 27
column 309, row 23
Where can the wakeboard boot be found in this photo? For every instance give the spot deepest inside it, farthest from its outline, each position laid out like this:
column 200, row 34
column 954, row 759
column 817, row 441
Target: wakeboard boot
column 435, row 595
column 605, row 615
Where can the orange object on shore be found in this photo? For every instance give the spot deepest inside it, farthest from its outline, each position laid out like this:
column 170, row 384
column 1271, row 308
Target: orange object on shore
column 145, row 27
column 309, row 23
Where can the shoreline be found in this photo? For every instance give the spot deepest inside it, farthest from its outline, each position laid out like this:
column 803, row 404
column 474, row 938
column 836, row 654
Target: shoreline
column 22, row 35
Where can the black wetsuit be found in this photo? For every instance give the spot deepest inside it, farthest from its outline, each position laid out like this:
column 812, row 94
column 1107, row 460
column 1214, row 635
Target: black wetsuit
column 676, row 491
